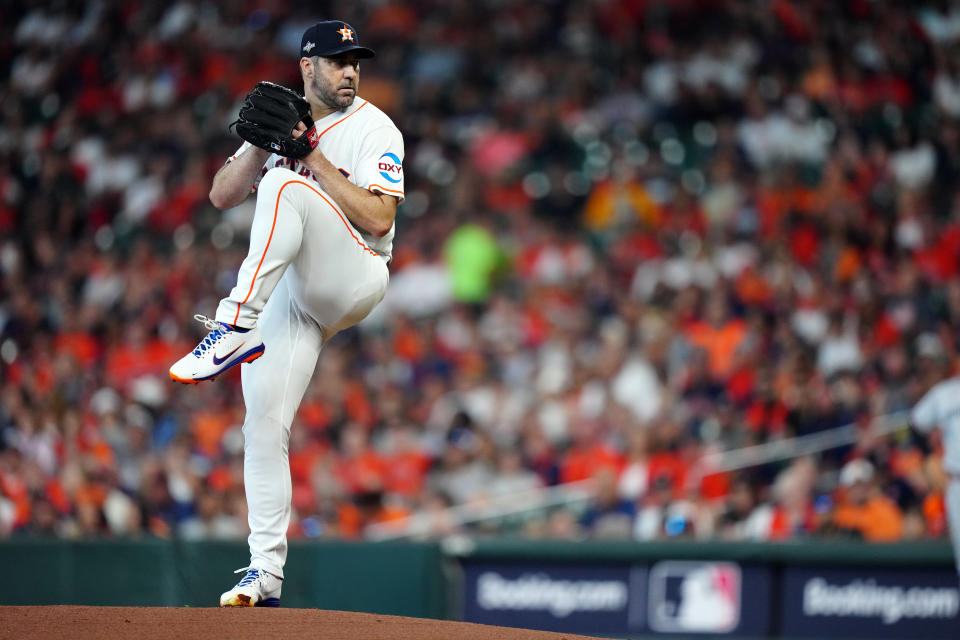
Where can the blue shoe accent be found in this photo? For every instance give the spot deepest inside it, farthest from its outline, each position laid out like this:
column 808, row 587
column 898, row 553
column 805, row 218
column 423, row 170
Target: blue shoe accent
column 252, row 574
column 269, row 602
column 246, row 356
column 211, row 339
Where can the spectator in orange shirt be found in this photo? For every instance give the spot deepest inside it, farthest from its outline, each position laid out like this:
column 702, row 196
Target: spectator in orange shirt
column 360, row 468
column 406, row 462
column 589, row 453
column 375, row 509
column 619, row 202
column 719, row 334
column 863, row 508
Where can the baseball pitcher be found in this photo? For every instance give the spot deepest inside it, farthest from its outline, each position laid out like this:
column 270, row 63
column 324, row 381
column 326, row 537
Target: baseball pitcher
column 327, row 171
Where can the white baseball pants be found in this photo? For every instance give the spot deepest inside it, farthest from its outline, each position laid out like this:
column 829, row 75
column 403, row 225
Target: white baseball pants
column 308, row 275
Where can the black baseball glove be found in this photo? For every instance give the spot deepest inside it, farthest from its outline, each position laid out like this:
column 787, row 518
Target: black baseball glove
column 268, row 117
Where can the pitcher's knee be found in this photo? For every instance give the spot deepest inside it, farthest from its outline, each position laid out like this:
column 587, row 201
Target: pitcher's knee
column 272, row 182
column 262, row 435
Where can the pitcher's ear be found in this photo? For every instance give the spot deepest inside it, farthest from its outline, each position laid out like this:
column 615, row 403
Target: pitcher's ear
column 307, row 67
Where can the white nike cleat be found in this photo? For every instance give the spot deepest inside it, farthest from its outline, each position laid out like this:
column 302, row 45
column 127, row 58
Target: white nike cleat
column 257, row 589
column 223, row 348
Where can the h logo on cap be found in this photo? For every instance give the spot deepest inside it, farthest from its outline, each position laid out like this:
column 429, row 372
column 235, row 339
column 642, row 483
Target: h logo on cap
column 331, row 38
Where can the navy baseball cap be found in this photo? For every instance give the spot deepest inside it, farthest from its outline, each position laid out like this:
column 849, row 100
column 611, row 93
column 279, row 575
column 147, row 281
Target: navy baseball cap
column 329, row 38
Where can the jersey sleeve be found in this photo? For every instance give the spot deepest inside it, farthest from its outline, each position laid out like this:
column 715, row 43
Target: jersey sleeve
column 380, row 162
column 926, row 414
column 246, row 145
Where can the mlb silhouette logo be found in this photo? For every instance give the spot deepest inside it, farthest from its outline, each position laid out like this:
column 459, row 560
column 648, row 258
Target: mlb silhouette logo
column 694, row 597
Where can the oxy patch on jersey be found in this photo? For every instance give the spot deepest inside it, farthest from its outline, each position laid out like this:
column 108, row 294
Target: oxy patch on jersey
column 390, row 167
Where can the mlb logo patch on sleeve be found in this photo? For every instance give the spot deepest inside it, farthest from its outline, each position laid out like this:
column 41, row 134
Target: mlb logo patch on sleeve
column 390, row 167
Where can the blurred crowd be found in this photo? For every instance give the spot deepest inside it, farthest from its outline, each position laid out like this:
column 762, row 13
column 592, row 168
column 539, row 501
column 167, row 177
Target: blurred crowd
column 635, row 232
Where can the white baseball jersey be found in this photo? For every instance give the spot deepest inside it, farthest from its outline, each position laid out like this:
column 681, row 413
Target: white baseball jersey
column 367, row 148
column 940, row 407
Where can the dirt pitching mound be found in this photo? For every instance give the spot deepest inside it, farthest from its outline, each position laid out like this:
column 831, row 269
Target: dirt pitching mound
column 168, row 623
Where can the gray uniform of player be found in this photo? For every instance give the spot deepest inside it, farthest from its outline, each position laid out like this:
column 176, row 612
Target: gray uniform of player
column 940, row 407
